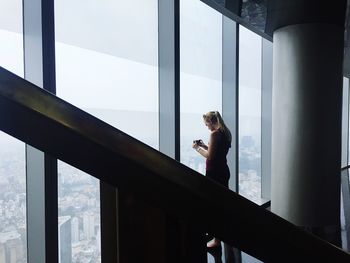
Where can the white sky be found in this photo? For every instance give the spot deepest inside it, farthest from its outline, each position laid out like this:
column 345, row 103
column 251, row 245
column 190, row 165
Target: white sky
column 114, row 65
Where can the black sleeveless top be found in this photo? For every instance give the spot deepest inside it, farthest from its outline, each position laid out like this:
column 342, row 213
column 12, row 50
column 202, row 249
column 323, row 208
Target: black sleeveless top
column 219, row 160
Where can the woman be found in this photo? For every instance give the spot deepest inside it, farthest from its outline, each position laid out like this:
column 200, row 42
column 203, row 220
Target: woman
column 215, row 153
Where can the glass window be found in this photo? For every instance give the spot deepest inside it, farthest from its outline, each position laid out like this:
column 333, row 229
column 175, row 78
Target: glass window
column 79, row 232
column 107, row 62
column 11, row 36
column 107, row 65
column 13, row 226
column 200, row 76
column 250, row 114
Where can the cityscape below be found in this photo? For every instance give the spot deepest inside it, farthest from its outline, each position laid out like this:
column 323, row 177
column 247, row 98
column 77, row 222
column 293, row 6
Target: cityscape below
column 79, row 203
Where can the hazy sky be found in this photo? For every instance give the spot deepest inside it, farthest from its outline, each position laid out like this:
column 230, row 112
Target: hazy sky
column 106, row 55
column 11, row 15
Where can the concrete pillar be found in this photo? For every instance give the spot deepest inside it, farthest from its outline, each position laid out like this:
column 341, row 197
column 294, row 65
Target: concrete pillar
column 306, row 126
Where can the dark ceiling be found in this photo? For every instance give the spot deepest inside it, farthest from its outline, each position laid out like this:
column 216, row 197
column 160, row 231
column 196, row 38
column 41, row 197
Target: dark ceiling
column 265, row 16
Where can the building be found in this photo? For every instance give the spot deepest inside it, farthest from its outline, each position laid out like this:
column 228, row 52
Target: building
column 65, row 239
column 75, row 229
column 2, row 253
column 11, row 247
column 89, row 225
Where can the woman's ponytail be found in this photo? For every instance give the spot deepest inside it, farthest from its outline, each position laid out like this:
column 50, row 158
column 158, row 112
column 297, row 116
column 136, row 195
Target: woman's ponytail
column 215, row 117
column 224, row 128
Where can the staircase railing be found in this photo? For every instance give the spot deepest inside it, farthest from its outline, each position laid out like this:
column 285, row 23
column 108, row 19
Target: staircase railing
column 80, row 139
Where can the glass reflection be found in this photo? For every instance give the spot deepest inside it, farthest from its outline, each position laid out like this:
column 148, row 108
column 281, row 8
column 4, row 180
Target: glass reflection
column 102, row 67
column 255, row 12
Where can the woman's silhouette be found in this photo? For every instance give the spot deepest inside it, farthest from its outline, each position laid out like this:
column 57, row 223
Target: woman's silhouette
column 215, row 153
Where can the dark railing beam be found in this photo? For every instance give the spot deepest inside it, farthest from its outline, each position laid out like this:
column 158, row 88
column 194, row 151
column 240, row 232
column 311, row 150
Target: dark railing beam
column 79, row 139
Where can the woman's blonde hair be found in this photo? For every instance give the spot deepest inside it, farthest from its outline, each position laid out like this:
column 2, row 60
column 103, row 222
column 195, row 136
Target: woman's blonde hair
column 214, row 117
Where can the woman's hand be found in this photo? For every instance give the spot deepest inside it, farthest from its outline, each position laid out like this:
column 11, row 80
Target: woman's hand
column 200, row 147
column 202, row 144
column 199, row 142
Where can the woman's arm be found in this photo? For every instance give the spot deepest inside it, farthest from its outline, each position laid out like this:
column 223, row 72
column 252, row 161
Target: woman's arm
column 210, row 149
column 212, row 145
column 202, row 144
column 202, row 151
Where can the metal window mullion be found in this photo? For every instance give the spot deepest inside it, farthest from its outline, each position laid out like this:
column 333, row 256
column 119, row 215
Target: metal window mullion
column 41, row 169
column 230, row 92
column 345, row 124
column 266, row 118
column 169, row 77
column 237, row 107
column 347, row 112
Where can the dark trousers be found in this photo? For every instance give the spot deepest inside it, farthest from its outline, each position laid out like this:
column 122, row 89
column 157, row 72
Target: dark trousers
column 221, row 175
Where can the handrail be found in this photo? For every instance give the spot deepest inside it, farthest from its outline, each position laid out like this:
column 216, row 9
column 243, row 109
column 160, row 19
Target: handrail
column 345, row 167
column 266, row 204
column 54, row 126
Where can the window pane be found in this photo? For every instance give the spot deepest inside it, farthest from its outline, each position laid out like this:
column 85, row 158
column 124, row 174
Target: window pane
column 201, row 75
column 249, row 115
column 13, row 225
column 11, row 36
column 79, row 233
column 106, row 64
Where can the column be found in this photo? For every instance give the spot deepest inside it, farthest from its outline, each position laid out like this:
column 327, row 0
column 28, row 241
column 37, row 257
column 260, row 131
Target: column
column 306, row 126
